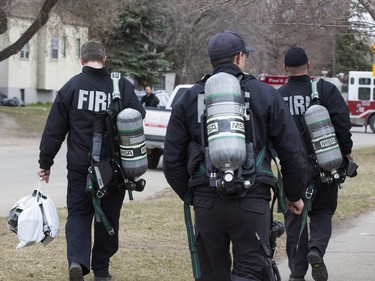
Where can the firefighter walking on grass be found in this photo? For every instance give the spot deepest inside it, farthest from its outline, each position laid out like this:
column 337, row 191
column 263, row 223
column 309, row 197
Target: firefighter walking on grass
column 241, row 215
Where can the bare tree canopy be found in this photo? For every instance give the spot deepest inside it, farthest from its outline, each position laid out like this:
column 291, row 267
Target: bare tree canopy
column 269, row 26
column 38, row 23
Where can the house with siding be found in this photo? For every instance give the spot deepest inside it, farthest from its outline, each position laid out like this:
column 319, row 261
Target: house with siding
column 47, row 61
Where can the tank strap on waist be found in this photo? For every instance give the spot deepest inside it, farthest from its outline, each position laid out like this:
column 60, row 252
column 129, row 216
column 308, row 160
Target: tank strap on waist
column 190, row 233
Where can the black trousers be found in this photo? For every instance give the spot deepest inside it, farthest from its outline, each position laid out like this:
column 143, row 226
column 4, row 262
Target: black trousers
column 318, row 233
column 235, row 229
column 79, row 224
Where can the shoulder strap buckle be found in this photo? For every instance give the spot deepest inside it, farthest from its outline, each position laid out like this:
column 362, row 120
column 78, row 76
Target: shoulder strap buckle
column 116, row 76
column 314, row 90
column 309, row 192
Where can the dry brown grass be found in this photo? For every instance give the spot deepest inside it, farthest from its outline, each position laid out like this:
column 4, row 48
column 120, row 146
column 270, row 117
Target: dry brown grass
column 23, row 121
column 152, row 247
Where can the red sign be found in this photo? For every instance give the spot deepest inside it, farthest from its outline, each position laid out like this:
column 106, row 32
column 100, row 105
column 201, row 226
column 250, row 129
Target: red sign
column 275, row 79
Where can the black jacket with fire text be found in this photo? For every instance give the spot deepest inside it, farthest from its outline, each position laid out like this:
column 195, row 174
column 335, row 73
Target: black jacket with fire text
column 73, row 113
column 297, row 94
column 273, row 122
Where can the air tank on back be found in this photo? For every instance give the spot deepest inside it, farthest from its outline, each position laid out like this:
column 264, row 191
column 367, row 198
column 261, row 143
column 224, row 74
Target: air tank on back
column 225, row 123
column 132, row 143
column 323, row 138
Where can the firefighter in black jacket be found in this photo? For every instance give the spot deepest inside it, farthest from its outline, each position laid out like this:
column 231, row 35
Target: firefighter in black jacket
column 73, row 112
column 297, row 93
column 244, row 221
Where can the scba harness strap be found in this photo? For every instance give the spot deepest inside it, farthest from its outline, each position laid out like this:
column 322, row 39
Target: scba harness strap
column 105, row 170
column 315, row 100
column 321, row 175
column 105, row 155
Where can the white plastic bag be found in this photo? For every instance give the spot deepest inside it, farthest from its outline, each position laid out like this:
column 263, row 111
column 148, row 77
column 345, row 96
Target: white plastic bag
column 50, row 217
column 30, row 222
column 34, row 218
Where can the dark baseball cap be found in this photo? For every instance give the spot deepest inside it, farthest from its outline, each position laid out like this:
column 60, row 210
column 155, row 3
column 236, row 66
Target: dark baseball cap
column 295, row 56
column 226, row 44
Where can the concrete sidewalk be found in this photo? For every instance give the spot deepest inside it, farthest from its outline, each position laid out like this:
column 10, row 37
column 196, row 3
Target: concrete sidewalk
column 350, row 254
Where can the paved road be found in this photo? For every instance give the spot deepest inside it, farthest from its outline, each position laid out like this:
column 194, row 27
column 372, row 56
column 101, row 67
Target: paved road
column 18, row 166
column 361, row 138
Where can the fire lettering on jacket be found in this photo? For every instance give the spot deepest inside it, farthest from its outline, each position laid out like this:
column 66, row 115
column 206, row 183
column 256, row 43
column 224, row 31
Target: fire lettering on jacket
column 298, row 104
column 92, row 100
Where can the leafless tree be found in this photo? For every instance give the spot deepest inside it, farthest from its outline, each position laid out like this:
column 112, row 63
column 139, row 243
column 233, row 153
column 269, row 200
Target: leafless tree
column 100, row 16
column 270, row 26
column 38, row 23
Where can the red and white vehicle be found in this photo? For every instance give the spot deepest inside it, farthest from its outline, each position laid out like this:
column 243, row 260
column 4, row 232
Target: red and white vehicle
column 279, row 80
column 361, row 98
column 275, row 80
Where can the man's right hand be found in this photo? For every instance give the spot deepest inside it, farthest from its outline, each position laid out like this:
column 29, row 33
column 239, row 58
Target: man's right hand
column 44, row 175
column 295, row 207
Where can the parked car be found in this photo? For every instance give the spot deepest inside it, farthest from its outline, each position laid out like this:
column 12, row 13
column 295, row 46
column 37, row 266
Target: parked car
column 155, row 126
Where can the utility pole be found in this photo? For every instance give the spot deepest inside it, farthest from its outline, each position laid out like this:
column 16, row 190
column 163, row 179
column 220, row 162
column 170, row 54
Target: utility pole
column 334, row 56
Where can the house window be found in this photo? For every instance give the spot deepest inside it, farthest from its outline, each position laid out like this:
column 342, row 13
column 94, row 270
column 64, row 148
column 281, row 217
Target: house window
column 24, row 53
column 78, row 47
column 55, row 47
column 64, row 47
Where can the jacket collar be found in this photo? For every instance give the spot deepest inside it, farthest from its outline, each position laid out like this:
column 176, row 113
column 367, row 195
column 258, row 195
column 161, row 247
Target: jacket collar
column 228, row 68
column 95, row 71
column 301, row 78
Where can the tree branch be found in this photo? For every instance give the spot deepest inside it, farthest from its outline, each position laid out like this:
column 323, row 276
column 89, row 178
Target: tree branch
column 3, row 16
column 39, row 22
column 369, row 6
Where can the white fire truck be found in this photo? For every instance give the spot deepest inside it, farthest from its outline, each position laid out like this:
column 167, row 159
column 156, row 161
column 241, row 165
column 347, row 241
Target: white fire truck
column 361, row 98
